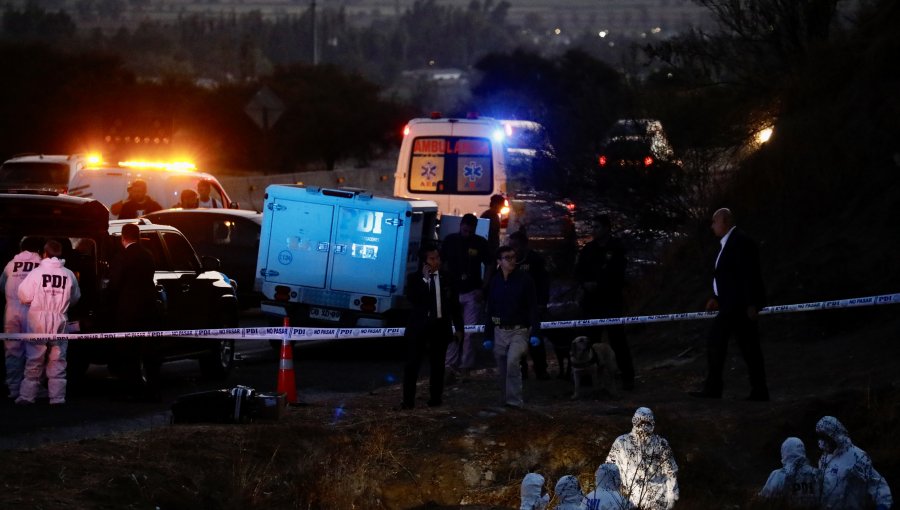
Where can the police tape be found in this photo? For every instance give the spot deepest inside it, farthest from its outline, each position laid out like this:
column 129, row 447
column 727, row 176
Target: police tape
column 302, row 334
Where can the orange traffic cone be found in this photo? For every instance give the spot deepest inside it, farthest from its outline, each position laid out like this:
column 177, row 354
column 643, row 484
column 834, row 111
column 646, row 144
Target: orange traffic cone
column 286, row 382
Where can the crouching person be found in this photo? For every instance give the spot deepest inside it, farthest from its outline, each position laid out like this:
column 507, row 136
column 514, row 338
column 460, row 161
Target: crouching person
column 568, row 494
column 607, row 495
column 850, row 482
column 532, row 493
column 796, row 484
column 50, row 288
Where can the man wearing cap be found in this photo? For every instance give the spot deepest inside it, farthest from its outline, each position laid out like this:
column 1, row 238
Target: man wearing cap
column 137, row 204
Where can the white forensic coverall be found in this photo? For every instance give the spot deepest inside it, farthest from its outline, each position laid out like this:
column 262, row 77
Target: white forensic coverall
column 532, row 499
column 50, row 288
column 607, row 496
column 646, row 464
column 14, row 322
column 850, row 482
column 568, row 494
column 797, row 484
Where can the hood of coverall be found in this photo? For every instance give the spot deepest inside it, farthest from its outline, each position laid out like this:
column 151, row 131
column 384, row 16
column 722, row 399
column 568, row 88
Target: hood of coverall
column 831, row 428
column 53, row 262
column 608, row 478
column 793, row 453
column 532, row 485
column 643, row 422
column 568, row 490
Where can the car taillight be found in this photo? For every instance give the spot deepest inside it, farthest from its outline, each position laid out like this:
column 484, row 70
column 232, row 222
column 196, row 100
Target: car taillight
column 648, row 161
column 602, row 160
column 406, row 130
column 282, row 293
column 367, row 303
column 570, row 206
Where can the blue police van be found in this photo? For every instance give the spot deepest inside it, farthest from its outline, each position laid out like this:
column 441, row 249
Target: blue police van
column 339, row 256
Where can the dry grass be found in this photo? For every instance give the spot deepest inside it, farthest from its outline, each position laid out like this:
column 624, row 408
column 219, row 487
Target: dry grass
column 472, row 454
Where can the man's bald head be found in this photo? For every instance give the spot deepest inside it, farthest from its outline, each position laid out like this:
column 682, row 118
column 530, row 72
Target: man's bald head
column 722, row 221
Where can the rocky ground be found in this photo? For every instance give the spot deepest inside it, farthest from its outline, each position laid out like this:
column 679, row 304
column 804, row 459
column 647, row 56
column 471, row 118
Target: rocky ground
column 357, row 450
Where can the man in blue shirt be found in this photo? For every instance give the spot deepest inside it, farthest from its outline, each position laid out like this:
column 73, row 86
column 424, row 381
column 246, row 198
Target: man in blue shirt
column 512, row 316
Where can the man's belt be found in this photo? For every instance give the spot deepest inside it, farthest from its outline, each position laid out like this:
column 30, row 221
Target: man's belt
column 512, row 326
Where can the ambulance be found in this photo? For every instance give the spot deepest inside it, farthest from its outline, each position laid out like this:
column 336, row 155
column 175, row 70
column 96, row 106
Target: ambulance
column 456, row 162
column 459, row 163
column 108, row 182
column 339, row 257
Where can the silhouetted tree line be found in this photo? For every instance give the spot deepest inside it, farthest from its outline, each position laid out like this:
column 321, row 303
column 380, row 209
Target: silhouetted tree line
column 67, row 103
column 238, row 47
column 822, row 194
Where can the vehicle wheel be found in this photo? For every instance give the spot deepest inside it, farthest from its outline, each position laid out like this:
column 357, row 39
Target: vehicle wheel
column 218, row 363
column 76, row 368
column 147, row 371
column 140, row 374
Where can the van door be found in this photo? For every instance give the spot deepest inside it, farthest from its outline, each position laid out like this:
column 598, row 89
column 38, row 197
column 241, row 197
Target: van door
column 299, row 243
column 364, row 248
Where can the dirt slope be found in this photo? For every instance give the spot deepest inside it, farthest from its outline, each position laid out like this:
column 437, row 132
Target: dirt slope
column 360, row 452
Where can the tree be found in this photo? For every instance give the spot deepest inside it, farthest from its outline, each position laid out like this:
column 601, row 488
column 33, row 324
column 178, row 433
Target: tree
column 329, row 115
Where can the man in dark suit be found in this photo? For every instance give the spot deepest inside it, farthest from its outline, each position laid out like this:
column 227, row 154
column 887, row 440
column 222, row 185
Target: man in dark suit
column 436, row 311
column 738, row 295
column 133, row 299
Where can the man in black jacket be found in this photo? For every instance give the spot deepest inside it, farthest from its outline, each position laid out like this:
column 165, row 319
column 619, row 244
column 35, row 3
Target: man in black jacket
column 533, row 263
column 738, row 295
column 601, row 272
column 133, row 294
column 436, row 311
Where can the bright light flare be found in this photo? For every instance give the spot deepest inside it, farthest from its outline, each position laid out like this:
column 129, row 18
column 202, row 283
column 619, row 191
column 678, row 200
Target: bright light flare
column 94, row 159
column 171, row 166
column 763, row 135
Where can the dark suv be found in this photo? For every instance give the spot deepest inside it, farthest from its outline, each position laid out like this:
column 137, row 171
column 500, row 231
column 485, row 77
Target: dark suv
column 192, row 293
column 636, row 144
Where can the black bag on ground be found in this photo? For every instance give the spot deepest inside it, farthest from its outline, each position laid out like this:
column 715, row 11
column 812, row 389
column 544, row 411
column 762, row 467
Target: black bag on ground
column 240, row 404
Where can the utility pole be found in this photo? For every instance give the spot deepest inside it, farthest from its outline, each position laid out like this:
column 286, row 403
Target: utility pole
column 315, row 36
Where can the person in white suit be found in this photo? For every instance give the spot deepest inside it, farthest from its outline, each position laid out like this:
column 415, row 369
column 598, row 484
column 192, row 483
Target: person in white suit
column 849, row 481
column 50, row 288
column 646, row 464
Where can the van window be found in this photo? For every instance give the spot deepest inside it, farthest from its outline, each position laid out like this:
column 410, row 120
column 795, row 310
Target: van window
column 451, row 165
column 35, row 174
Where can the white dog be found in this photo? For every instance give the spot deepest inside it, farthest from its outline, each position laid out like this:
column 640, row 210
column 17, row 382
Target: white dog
column 597, row 360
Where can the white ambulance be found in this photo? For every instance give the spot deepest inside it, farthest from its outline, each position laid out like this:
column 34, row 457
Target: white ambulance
column 339, row 256
column 109, row 183
column 456, row 162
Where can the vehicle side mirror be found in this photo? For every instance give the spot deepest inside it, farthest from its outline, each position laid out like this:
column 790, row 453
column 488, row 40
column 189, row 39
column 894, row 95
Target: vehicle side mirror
column 211, row 263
